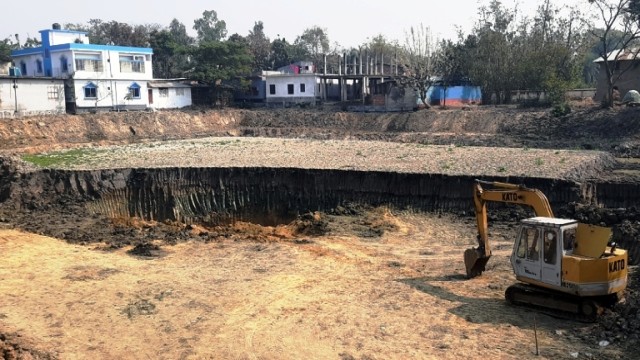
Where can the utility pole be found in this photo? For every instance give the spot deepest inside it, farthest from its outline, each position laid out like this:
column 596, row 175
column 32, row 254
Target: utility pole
column 15, row 95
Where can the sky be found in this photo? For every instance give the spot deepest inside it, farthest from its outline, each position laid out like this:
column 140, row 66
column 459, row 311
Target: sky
column 348, row 22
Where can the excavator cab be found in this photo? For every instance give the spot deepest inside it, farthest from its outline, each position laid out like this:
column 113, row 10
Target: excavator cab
column 538, row 250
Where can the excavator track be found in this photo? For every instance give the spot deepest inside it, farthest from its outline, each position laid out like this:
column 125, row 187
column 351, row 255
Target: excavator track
column 557, row 304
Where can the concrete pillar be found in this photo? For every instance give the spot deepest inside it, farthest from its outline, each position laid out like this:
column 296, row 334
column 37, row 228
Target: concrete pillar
column 382, row 64
column 360, row 56
column 324, row 72
column 396, row 62
column 354, row 69
column 367, row 60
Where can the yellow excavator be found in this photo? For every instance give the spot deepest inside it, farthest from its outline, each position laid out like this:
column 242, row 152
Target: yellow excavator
column 562, row 265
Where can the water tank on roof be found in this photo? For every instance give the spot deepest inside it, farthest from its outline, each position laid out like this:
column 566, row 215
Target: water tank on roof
column 56, row 26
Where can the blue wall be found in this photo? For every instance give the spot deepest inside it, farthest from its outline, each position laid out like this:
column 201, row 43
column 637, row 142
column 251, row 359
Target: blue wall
column 455, row 95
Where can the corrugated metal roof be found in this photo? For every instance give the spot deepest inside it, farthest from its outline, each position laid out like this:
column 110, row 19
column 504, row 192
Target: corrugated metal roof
column 167, row 84
column 621, row 55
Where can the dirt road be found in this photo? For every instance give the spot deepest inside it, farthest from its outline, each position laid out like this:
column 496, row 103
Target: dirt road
column 396, row 293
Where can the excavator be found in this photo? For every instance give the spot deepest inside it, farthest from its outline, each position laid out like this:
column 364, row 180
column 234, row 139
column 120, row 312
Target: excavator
column 562, row 266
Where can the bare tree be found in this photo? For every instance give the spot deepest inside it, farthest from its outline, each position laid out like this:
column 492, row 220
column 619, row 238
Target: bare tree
column 416, row 61
column 616, row 16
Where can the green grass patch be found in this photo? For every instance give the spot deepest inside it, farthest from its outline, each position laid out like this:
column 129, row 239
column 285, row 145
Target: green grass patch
column 62, row 158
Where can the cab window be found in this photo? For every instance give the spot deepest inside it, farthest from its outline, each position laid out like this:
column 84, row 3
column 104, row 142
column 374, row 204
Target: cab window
column 569, row 239
column 528, row 246
column 550, row 246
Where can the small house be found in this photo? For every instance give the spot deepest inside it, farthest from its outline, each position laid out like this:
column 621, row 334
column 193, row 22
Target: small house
column 169, row 94
column 624, row 64
column 293, row 84
column 30, row 96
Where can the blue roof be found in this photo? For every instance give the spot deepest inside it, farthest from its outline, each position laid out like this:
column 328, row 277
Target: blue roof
column 86, row 47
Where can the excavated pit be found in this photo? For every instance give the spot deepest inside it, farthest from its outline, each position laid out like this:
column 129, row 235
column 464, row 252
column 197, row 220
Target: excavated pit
column 114, row 205
column 272, row 196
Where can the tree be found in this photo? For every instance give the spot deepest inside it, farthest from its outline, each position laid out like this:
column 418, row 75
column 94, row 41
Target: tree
column 379, row 48
column 5, row 50
column 448, row 65
column 280, row 53
column 31, row 42
column 492, row 54
column 209, row 28
column 170, row 50
column 549, row 45
column 416, row 61
column 216, row 61
column 117, row 33
column 314, row 41
column 621, row 15
column 259, row 46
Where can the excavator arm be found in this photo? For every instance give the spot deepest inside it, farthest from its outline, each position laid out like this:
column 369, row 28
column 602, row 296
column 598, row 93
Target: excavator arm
column 475, row 259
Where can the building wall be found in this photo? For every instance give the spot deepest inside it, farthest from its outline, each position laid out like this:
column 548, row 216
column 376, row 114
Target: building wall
column 34, row 96
column 110, row 62
column 281, row 83
column 630, row 80
column 110, row 94
column 454, row 95
column 254, row 92
column 57, row 37
column 173, row 100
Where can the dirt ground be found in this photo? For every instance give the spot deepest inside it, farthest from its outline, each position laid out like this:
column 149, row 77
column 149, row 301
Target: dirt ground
column 352, row 284
column 378, row 285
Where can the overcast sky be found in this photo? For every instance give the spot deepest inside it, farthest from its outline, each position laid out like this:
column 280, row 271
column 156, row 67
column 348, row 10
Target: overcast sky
column 348, row 22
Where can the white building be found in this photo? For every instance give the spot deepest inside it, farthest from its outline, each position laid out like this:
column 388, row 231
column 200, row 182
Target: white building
column 293, row 84
column 21, row 96
column 168, row 94
column 99, row 77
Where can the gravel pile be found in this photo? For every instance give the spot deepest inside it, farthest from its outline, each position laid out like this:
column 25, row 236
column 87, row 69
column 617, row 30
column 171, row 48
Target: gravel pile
column 339, row 154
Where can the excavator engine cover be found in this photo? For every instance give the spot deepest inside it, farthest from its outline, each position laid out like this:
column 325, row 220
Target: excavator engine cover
column 475, row 262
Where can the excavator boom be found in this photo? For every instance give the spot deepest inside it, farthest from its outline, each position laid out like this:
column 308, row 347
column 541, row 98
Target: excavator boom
column 475, row 259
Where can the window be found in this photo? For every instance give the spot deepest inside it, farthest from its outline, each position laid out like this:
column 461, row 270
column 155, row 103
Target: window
column 53, row 93
column 134, row 91
column 89, row 65
column 550, row 244
column 132, row 63
column 64, row 66
column 569, row 239
column 528, row 246
column 272, row 89
column 163, row 92
column 290, row 89
column 90, row 91
column 39, row 66
column 302, row 88
column 23, row 68
column 179, row 92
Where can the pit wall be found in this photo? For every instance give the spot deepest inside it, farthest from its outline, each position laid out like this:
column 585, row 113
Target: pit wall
column 268, row 195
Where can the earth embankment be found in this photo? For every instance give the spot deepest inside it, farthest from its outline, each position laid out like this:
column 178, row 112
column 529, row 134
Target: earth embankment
column 615, row 130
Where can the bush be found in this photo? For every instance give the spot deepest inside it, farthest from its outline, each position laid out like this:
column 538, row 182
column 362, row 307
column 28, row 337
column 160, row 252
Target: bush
column 560, row 109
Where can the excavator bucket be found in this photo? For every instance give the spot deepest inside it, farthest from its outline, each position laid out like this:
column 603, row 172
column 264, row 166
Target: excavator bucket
column 475, row 262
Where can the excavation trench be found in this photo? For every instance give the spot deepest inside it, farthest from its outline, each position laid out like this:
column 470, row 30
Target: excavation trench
column 271, row 196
